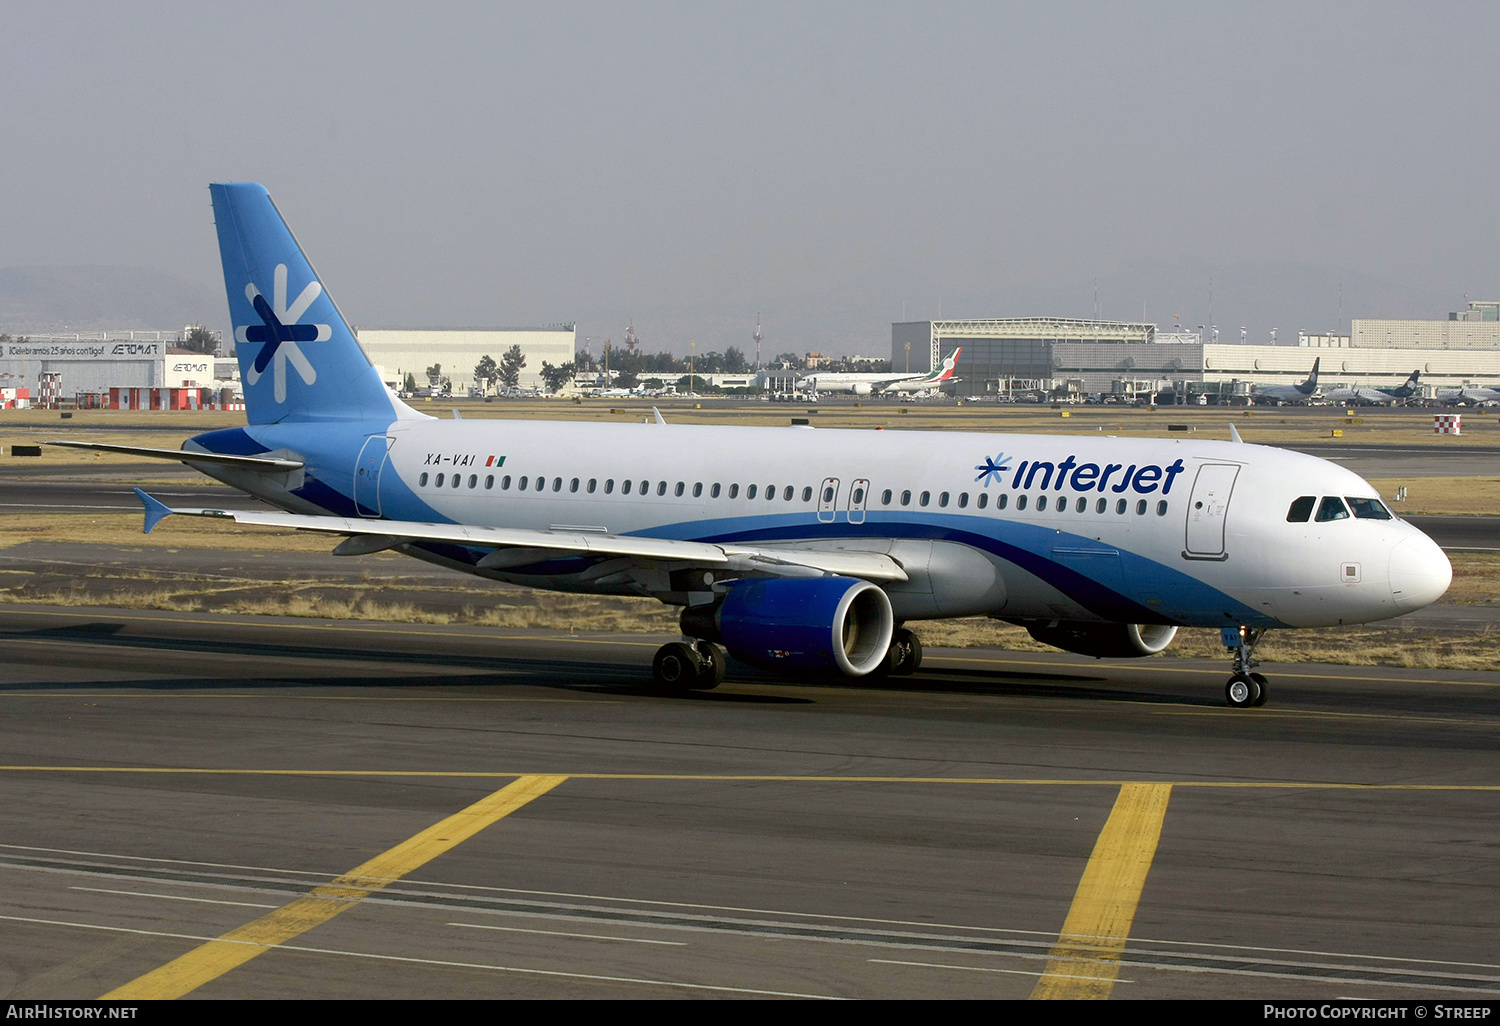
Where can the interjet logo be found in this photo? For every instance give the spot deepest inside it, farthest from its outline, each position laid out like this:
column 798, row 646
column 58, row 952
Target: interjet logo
column 279, row 333
column 993, row 469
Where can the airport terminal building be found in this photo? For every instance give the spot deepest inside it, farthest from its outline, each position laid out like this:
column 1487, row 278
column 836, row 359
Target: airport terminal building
column 396, row 352
column 1007, row 355
column 100, row 360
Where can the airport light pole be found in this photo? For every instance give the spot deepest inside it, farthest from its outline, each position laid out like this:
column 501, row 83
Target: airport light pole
column 692, row 351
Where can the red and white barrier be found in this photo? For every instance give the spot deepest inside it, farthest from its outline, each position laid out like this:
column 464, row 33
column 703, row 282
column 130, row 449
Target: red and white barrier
column 1447, row 424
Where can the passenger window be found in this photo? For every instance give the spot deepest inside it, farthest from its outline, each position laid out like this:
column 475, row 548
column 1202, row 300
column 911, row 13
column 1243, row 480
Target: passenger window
column 697, row 489
column 1041, row 503
column 1120, row 506
column 984, row 500
column 906, row 497
column 489, row 481
column 1083, row 504
column 645, row 487
column 770, row 492
column 925, row 498
column 609, row 486
column 713, row 492
column 573, row 485
column 859, row 496
column 556, row 484
column 1301, row 509
column 473, row 480
column 1020, row 502
column 1002, row 500
column 593, row 483
column 1368, row 509
column 1332, row 508
column 505, row 483
column 423, row 479
column 943, row 500
column 734, row 491
column 828, row 493
column 788, row 493
column 1101, row 505
column 963, row 500
column 750, row 492
column 885, row 497
column 661, row 488
column 679, row 489
column 1140, row 508
column 625, row 486
column 458, row 479
column 439, row 482
column 807, row 494
column 1161, row 508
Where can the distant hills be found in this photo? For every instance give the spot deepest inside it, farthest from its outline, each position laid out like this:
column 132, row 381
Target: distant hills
column 48, row 299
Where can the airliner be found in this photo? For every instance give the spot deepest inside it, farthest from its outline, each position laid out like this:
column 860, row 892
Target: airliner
column 797, row 549
column 1377, row 396
column 1299, row 393
column 872, row 384
column 1469, row 396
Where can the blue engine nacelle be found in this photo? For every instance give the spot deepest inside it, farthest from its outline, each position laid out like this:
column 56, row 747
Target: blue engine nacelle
column 807, row 623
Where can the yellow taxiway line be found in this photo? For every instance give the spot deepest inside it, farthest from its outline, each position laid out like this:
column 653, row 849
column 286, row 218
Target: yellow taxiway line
column 209, row 961
column 1085, row 961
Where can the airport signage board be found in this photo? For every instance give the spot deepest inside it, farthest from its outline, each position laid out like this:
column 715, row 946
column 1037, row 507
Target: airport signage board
column 85, row 350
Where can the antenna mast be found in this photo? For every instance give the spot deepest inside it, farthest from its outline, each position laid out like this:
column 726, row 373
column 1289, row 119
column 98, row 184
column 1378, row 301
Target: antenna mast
column 758, row 337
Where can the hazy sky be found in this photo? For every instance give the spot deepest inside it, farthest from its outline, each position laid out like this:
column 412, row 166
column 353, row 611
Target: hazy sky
column 688, row 165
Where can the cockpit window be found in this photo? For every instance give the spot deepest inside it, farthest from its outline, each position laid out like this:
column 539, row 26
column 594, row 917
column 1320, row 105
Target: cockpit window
column 1301, row 509
column 1367, row 509
column 1332, row 508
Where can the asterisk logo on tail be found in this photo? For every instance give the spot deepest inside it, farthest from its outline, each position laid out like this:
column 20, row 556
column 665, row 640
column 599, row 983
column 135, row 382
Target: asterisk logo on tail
column 279, row 333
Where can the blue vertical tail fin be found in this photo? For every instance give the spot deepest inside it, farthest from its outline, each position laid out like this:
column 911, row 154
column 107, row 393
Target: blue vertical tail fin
column 298, row 357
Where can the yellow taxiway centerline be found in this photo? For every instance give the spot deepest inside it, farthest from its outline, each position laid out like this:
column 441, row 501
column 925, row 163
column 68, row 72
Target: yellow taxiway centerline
column 1086, row 958
column 209, row 961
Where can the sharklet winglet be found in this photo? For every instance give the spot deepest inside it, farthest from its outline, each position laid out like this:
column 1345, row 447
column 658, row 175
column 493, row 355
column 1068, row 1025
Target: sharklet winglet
column 1234, row 434
column 156, row 510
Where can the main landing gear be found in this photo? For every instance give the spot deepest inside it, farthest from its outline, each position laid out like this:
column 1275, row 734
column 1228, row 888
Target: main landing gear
column 688, row 666
column 1245, row 688
column 903, row 658
column 697, row 665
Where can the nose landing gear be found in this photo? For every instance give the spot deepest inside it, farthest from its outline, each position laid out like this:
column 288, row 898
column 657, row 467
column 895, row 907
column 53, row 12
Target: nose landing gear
column 1245, row 688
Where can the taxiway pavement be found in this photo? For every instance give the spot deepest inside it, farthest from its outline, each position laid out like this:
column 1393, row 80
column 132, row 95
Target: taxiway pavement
column 170, row 778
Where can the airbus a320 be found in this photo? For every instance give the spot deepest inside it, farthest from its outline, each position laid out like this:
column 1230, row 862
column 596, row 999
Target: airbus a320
column 797, row 549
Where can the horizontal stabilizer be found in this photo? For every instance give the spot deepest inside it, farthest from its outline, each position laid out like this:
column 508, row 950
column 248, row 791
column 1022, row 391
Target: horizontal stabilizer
column 774, row 560
column 188, row 456
column 156, row 510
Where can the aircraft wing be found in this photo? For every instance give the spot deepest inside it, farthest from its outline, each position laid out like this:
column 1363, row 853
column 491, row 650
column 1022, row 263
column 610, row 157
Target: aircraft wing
column 516, row 546
column 189, row 456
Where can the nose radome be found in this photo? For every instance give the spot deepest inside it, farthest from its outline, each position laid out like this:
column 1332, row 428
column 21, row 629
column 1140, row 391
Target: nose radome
column 1420, row 573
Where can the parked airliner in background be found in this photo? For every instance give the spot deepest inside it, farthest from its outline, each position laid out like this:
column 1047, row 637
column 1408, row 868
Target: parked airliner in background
column 798, row 549
column 874, row 384
column 1278, row 394
column 1469, row 395
column 1376, row 396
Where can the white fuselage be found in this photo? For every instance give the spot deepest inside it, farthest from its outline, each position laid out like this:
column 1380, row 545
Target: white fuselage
column 1020, row 526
